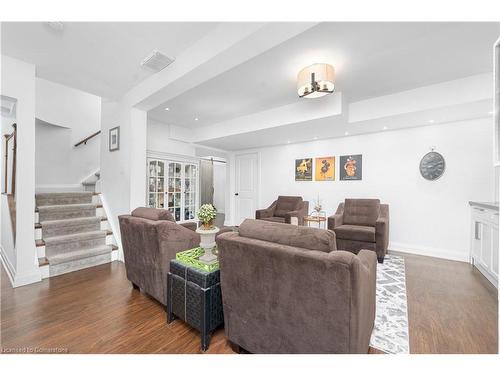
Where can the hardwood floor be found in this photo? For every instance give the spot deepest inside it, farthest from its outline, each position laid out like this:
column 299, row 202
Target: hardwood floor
column 452, row 309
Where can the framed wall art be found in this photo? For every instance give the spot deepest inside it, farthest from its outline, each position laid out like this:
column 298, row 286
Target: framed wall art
column 114, row 139
column 351, row 167
column 303, row 169
column 325, row 168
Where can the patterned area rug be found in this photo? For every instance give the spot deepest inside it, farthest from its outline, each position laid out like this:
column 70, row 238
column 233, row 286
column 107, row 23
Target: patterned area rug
column 390, row 333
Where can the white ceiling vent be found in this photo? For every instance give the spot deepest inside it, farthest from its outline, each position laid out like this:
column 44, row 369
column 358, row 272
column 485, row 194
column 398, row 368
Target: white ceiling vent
column 156, row 61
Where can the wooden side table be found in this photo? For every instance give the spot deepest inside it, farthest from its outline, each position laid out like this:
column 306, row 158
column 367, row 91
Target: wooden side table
column 319, row 219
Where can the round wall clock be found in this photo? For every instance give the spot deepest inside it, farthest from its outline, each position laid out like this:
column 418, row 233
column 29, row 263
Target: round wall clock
column 432, row 166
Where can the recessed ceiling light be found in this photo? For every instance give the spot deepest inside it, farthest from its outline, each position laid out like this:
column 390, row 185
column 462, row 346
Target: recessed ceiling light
column 490, row 112
column 346, row 133
column 196, row 119
column 431, row 121
column 385, row 128
column 287, row 141
column 167, row 109
column 315, row 138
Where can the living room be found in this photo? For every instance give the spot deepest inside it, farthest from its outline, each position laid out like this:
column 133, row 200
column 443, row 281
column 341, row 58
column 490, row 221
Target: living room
column 209, row 187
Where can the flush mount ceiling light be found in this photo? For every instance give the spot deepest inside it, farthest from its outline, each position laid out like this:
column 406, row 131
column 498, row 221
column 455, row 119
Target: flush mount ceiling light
column 315, row 81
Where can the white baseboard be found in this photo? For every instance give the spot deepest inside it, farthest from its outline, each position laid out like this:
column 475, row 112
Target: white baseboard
column 16, row 279
column 26, row 279
column 58, row 188
column 430, row 252
column 7, row 265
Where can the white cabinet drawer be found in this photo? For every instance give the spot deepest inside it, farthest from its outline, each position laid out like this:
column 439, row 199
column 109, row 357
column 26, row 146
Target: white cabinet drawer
column 484, row 242
column 494, row 253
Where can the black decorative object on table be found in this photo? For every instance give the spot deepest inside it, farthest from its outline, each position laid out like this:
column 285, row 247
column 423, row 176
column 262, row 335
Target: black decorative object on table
column 195, row 297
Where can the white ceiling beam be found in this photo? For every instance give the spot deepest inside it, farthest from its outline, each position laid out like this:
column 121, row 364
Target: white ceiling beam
column 462, row 99
column 300, row 111
column 229, row 45
column 445, row 94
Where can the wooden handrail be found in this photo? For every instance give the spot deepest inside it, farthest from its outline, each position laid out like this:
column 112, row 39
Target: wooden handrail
column 8, row 137
column 84, row 141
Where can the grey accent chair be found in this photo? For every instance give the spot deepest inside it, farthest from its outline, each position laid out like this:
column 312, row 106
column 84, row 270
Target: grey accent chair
column 286, row 289
column 151, row 238
column 284, row 209
column 362, row 224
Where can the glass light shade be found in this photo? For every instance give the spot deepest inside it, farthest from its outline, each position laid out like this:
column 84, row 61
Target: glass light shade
column 316, row 80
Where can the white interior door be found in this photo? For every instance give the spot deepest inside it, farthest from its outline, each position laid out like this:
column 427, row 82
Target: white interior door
column 246, row 186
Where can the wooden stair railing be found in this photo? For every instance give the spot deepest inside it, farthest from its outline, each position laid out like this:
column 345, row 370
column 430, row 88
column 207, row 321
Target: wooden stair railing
column 8, row 137
column 85, row 140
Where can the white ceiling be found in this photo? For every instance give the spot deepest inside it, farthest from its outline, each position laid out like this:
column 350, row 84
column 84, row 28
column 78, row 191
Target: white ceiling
column 371, row 59
column 102, row 58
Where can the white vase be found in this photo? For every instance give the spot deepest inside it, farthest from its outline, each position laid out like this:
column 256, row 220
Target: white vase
column 207, row 243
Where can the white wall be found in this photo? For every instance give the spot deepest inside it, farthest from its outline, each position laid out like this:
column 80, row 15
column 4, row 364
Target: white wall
column 123, row 172
column 68, row 116
column 18, row 81
column 6, row 128
column 6, row 230
column 159, row 140
column 220, row 186
column 429, row 218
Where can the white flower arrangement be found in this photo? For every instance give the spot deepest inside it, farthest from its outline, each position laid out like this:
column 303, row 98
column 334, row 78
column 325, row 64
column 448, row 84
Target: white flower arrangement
column 207, row 214
column 317, row 205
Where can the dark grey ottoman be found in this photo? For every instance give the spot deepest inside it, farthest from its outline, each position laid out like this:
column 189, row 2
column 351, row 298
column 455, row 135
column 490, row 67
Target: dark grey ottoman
column 195, row 297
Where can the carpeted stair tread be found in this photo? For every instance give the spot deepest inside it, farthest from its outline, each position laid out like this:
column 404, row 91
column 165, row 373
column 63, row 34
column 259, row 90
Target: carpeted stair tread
column 74, row 221
column 47, row 199
column 52, row 228
column 96, row 205
column 39, row 225
column 71, row 231
column 66, row 211
column 67, row 206
column 78, row 254
column 68, row 238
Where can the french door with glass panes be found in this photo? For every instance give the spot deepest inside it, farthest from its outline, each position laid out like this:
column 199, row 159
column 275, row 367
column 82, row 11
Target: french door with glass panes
column 173, row 185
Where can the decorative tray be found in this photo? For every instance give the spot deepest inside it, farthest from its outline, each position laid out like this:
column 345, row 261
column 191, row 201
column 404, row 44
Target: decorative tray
column 191, row 258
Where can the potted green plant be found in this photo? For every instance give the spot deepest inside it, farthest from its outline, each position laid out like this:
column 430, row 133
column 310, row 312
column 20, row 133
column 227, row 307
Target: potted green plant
column 207, row 214
column 207, row 232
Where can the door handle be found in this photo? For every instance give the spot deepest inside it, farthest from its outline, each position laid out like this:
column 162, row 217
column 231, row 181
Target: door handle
column 236, row 194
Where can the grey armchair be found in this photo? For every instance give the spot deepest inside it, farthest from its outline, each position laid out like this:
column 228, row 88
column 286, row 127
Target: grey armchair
column 362, row 224
column 150, row 239
column 284, row 209
column 294, row 292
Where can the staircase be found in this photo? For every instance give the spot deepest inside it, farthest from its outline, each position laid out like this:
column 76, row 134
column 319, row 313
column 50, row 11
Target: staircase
column 71, row 232
column 91, row 182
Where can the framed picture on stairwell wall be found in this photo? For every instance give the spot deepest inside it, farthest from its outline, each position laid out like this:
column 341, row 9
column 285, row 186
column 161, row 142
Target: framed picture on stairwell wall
column 114, row 139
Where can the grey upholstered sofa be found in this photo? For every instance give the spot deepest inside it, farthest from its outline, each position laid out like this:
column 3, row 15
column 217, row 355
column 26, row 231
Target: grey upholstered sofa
column 286, row 209
column 286, row 289
column 150, row 239
column 361, row 224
